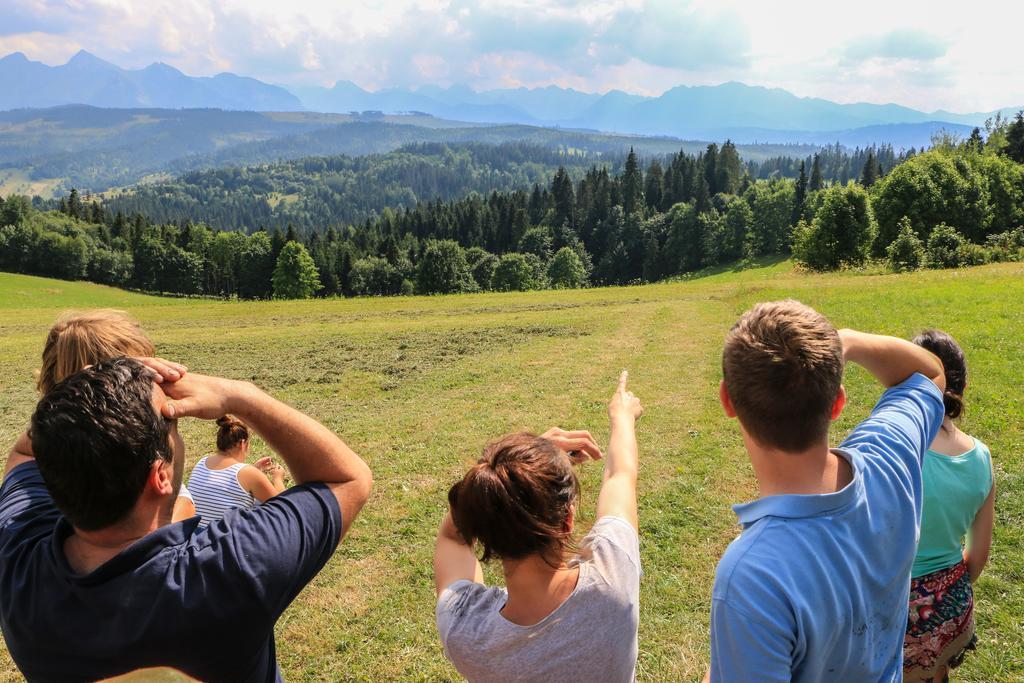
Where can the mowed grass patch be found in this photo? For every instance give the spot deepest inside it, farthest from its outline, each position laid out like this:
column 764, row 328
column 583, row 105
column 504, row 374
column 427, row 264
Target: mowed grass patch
column 418, row 385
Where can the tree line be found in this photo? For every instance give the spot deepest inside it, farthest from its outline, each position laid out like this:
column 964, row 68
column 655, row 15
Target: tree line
column 959, row 203
column 315, row 193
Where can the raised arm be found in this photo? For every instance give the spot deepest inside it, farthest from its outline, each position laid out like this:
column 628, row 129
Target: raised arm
column 618, row 490
column 312, row 452
column 454, row 559
column 890, row 359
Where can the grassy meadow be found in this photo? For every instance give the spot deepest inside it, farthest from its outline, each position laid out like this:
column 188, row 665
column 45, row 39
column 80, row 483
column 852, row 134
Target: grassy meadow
column 417, row 385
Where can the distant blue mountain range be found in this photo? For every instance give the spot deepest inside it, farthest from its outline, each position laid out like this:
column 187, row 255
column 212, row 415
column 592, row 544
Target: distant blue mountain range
column 744, row 113
column 87, row 79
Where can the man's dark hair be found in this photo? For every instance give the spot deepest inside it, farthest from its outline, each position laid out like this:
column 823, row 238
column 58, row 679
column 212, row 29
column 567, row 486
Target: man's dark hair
column 95, row 436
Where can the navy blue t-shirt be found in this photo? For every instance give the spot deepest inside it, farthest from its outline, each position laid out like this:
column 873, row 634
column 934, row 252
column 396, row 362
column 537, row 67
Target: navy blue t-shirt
column 204, row 602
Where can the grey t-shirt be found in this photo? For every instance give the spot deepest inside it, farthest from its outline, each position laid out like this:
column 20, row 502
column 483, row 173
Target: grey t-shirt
column 589, row 637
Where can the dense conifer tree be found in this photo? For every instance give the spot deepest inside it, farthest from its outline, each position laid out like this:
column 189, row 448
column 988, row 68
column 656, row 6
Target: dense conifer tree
column 632, row 184
column 869, row 174
column 816, row 182
column 1015, row 139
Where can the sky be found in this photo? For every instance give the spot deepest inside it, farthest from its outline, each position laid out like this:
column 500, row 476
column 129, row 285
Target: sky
column 961, row 57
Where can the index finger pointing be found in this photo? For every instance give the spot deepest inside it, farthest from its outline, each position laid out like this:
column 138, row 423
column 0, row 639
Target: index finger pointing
column 622, row 380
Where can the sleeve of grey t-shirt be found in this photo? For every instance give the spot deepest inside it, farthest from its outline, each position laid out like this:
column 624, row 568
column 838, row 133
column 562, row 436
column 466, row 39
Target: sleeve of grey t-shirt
column 459, row 600
column 612, row 549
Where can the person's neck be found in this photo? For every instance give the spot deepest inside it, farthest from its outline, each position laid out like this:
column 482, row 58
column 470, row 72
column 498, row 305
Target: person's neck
column 232, row 456
column 951, row 440
column 87, row 550
column 535, row 588
column 815, row 470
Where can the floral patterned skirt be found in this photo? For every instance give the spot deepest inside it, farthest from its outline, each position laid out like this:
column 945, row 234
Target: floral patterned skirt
column 940, row 624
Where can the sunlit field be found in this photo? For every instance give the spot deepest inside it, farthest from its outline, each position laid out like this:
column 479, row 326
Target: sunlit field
column 418, row 385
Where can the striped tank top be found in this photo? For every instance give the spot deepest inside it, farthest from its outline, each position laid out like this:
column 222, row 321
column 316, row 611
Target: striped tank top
column 216, row 492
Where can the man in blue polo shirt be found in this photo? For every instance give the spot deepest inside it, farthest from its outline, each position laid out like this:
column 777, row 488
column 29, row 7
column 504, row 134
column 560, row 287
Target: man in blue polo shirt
column 96, row 581
column 816, row 586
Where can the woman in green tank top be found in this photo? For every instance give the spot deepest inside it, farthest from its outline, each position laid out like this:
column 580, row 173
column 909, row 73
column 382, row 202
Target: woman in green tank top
column 959, row 502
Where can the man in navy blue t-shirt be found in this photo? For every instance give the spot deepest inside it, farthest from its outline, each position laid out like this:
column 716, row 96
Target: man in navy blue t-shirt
column 96, row 581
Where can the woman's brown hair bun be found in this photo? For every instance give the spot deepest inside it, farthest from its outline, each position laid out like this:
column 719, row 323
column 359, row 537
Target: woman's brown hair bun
column 954, row 364
column 230, row 432
column 515, row 501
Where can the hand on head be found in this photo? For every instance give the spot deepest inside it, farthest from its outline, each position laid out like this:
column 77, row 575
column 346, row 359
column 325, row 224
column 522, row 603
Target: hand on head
column 201, row 396
column 163, row 370
column 579, row 444
column 190, row 395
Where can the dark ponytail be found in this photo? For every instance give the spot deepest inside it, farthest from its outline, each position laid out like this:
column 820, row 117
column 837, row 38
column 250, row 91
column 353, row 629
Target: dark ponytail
column 230, row 432
column 515, row 501
column 952, row 357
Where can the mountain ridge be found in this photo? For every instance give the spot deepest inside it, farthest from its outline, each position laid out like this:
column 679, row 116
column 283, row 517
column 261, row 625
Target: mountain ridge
column 711, row 112
column 88, row 79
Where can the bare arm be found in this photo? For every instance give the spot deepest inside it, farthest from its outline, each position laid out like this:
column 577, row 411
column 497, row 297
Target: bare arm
column 979, row 536
column 890, row 359
column 183, row 509
column 618, row 490
column 20, row 453
column 258, row 484
column 311, row 451
column 453, row 559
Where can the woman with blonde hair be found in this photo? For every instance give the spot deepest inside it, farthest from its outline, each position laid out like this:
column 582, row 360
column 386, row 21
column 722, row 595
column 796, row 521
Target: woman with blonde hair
column 80, row 339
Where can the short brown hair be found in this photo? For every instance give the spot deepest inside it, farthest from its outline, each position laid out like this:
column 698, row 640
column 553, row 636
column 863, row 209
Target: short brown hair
column 230, row 432
column 783, row 368
column 80, row 339
column 516, row 499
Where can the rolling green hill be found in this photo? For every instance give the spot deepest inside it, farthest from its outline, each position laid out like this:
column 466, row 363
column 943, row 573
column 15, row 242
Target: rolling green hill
column 95, row 149
column 418, row 384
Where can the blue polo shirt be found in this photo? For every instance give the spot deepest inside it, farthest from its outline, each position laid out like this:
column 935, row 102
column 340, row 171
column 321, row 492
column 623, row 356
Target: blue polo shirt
column 204, row 602
column 816, row 586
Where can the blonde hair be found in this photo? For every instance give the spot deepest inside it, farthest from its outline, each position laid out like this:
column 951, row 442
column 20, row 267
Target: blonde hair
column 79, row 339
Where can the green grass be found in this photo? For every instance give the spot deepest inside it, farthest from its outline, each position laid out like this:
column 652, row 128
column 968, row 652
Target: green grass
column 417, row 385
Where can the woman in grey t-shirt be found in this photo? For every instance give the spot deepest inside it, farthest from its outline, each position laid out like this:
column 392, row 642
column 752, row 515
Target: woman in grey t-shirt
column 563, row 615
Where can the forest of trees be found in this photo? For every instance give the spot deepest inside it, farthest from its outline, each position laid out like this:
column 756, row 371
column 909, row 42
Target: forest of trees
column 958, row 203
column 315, row 193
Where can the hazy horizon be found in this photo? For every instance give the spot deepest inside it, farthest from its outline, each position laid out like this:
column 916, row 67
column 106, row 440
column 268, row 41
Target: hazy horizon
column 910, row 53
column 298, row 88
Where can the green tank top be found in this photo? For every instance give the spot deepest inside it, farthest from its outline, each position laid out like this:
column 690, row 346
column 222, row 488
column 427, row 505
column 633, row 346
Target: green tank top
column 955, row 487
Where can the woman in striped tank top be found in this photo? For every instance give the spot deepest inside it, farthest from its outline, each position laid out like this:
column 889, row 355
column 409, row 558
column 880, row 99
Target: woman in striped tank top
column 223, row 481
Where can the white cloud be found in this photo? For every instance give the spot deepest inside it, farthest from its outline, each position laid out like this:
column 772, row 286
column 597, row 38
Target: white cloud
column 898, row 44
column 935, row 54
